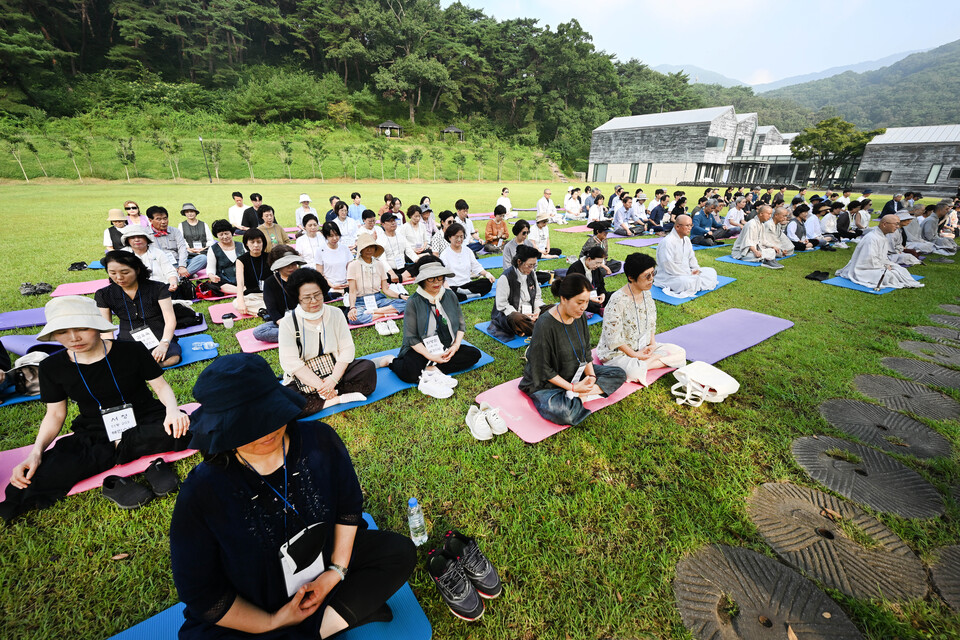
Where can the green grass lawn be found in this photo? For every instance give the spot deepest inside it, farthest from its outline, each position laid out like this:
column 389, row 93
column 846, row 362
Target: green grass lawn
column 586, row 527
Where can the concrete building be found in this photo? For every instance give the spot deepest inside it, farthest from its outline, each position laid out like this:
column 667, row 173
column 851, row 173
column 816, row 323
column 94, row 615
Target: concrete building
column 925, row 159
column 769, row 134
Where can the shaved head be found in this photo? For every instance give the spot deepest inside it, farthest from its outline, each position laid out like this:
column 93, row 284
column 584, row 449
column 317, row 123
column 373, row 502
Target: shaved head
column 683, row 225
column 889, row 223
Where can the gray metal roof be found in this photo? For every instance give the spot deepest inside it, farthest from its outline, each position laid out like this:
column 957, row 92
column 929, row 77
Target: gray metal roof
column 920, row 135
column 767, row 128
column 650, row 120
column 743, row 116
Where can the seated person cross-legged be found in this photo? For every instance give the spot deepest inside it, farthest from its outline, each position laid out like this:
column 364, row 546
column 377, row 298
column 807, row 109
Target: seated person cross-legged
column 519, row 301
column 591, row 267
column 371, row 297
column 119, row 419
column 678, row 272
column 267, row 539
column 222, row 258
column 433, row 328
column 463, row 263
column 143, row 307
column 252, row 271
column 600, row 230
column 113, row 235
column 283, row 261
column 559, row 375
column 316, row 349
column 521, row 232
column 630, row 325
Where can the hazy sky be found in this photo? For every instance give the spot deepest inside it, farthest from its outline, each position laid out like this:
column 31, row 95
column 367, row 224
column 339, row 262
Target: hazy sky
column 667, row 31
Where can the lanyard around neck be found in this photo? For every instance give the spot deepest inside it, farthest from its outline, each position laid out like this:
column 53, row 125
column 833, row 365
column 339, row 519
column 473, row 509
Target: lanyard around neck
column 143, row 316
column 282, row 496
column 566, row 333
column 84, row 380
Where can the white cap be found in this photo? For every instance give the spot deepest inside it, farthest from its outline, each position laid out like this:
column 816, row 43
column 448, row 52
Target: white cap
column 304, row 198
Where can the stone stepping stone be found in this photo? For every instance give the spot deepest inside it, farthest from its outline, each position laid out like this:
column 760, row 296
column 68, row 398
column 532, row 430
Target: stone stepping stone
column 941, row 353
column 924, row 372
column 951, row 308
column 942, row 318
column 940, row 334
column 903, row 395
column 876, row 479
column 727, row 592
column 885, row 429
column 802, row 526
column 946, row 576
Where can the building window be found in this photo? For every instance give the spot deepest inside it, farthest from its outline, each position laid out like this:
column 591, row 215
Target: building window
column 599, row 173
column 740, row 148
column 934, row 173
column 873, row 176
column 954, row 173
column 634, row 169
column 713, row 142
column 650, row 170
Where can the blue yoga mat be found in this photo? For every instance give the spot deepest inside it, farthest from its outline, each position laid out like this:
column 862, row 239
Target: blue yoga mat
column 96, row 264
column 409, row 621
column 849, row 284
column 745, row 263
column 496, row 261
column 388, row 383
column 659, row 295
column 11, row 397
column 518, row 341
column 189, row 356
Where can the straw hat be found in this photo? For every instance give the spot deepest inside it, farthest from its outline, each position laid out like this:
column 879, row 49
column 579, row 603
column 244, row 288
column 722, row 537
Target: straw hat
column 133, row 230
column 433, row 270
column 543, row 217
column 286, row 261
column 72, row 312
column 116, row 215
column 366, row 240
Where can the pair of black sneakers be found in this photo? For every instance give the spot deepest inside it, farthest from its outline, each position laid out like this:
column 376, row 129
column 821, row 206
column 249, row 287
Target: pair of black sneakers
column 127, row 494
column 39, row 289
column 463, row 575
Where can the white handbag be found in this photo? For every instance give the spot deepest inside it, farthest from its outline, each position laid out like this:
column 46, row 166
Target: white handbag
column 699, row 381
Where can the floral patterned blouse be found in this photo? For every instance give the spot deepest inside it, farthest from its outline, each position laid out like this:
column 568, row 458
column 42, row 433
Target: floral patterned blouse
column 627, row 320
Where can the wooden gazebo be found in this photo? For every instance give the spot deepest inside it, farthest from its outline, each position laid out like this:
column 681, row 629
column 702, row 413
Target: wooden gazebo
column 452, row 129
column 387, row 128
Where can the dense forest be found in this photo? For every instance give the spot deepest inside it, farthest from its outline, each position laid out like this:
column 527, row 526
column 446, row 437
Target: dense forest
column 334, row 63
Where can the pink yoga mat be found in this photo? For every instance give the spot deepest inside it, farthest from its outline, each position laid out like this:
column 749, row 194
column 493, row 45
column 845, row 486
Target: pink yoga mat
column 217, row 311
column 249, row 344
column 578, row 229
column 79, row 288
column 12, row 457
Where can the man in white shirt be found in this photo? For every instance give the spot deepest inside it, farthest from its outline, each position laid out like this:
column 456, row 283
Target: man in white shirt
column 845, row 199
column 394, row 248
column 735, row 215
column 235, row 213
column 775, row 232
column 472, row 239
column 870, row 265
column 545, row 205
column 678, row 273
column 752, row 244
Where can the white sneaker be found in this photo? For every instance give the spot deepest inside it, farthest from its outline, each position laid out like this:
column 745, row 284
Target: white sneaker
column 430, row 387
column 392, row 325
column 477, row 422
column 382, row 328
column 492, row 414
column 841, row 245
column 441, row 378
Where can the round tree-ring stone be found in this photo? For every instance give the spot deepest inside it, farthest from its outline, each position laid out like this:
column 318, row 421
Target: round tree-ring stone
column 903, row 395
column 940, row 334
column 949, row 356
column 924, row 372
column 950, row 321
column 725, row 593
column 951, row 308
column 802, row 526
column 874, row 479
column 946, row 576
column 885, row 429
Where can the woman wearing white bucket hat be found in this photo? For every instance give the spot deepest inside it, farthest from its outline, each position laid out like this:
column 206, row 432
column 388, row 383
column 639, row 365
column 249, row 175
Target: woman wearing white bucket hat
column 303, row 210
column 119, row 419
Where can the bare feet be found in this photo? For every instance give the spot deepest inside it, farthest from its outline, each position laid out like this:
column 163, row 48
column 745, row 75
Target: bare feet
column 384, row 361
column 344, row 399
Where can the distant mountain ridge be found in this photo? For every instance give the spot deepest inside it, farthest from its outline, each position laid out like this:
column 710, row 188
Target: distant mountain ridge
column 860, row 67
column 699, row 75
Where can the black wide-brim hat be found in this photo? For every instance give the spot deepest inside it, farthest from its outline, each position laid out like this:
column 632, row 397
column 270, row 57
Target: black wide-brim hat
column 241, row 401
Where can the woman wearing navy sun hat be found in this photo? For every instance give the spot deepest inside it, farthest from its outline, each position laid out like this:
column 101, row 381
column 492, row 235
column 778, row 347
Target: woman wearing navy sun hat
column 267, row 536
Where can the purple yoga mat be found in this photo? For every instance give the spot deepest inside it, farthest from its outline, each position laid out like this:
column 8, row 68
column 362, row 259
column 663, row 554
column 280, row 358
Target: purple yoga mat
column 639, row 242
column 22, row 318
column 722, row 334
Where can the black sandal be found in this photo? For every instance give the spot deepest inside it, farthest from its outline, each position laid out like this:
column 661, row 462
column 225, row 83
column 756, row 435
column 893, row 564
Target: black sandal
column 161, row 477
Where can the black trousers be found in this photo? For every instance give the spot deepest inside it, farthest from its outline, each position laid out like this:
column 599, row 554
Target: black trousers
column 410, row 365
column 480, row 286
column 381, row 562
column 82, row 455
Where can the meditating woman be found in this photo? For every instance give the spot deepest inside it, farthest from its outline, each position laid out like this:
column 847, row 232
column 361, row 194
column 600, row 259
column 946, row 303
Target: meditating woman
column 310, row 244
column 316, row 349
column 463, row 263
column 283, row 261
column 334, row 258
column 521, row 229
column 596, row 210
column 273, row 233
column 197, row 235
column 371, row 297
column 143, row 307
column 113, row 235
column 590, row 265
column 426, row 218
column 519, row 300
column 628, row 339
column 252, row 273
column 222, row 258
column 601, row 230
column 495, row 234
column 396, row 208
column 433, row 328
column 139, row 242
column 559, row 375
column 119, row 419
column 134, row 217
column 267, row 539
column 438, row 243
column 346, row 225
column 414, row 234
column 540, row 236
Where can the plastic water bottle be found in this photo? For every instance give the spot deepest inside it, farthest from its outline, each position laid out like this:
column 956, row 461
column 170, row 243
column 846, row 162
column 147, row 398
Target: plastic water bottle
column 204, row 346
column 418, row 527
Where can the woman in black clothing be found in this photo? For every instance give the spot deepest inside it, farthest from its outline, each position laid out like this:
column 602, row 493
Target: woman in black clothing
column 591, row 266
column 142, row 306
column 252, row 271
column 283, row 261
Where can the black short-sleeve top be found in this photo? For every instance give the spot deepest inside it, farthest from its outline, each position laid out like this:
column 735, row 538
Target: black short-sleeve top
column 142, row 309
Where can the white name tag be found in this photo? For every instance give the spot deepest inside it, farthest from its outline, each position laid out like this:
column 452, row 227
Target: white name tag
column 433, row 345
column 579, row 374
column 260, row 284
column 398, row 261
column 370, row 302
column 117, row 420
column 146, row 337
column 197, row 245
column 526, row 308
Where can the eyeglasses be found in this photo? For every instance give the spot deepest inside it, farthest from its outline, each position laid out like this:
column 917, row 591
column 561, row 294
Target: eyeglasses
column 436, row 280
column 131, row 208
column 317, row 297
